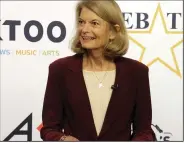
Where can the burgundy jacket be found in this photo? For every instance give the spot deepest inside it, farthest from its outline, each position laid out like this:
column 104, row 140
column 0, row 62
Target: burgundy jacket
column 66, row 103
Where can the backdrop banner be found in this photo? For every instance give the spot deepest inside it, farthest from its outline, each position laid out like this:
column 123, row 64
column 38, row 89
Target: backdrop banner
column 36, row 33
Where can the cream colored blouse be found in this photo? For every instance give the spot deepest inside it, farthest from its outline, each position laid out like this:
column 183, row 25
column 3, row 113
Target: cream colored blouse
column 99, row 96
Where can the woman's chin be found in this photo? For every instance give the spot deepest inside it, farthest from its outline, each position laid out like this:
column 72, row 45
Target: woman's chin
column 88, row 47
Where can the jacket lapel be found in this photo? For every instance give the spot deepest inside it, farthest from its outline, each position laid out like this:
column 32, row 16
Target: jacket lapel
column 81, row 94
column 110, row 113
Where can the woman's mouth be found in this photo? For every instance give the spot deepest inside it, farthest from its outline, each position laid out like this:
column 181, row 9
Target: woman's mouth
column 87, row 38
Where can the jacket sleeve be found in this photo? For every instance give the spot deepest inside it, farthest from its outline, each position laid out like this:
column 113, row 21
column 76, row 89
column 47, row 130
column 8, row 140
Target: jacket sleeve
column 142, row 118
column 52, row 113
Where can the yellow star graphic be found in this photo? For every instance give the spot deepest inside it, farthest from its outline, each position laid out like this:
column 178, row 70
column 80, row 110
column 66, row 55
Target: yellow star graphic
column 176, row 69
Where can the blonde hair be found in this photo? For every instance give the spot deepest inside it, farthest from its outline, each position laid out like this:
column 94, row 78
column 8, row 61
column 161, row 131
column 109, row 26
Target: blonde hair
column 109, row 11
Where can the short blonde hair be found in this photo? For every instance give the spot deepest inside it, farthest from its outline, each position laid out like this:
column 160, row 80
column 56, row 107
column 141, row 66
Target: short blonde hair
column 109, row 11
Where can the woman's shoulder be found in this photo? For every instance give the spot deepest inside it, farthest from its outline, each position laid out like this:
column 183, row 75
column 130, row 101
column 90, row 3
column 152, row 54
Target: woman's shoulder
column 65, row 61
column 133, row 64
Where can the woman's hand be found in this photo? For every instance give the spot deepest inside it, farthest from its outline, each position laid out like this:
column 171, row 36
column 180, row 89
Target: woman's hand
column 70, row 138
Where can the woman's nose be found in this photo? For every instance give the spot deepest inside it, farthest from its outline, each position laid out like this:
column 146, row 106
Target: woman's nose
column 86, row 28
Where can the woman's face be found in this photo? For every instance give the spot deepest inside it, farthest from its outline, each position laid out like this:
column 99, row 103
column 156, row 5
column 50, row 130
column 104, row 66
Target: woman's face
column 93, row 30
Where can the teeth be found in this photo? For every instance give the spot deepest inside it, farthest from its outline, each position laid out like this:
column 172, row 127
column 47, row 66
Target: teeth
column 88, row 38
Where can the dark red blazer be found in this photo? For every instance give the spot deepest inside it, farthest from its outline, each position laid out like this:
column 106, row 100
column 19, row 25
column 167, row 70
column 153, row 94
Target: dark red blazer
column 66, row 103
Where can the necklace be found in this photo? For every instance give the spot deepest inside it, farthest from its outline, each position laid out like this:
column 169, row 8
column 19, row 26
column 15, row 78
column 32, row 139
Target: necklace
column 100, row 84
column 100, row 81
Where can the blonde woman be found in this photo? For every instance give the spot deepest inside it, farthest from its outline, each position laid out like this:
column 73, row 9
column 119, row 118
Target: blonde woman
column 97, row 94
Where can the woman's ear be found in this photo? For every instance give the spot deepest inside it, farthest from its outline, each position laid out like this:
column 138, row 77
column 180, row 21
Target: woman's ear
column 117, row 27
column 114, row 31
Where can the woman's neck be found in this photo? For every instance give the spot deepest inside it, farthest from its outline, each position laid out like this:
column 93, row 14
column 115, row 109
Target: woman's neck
column 95, row 61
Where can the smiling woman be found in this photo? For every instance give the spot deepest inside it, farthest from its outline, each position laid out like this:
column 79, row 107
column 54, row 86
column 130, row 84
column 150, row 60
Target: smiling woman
column 103, row 24
column 96, row 94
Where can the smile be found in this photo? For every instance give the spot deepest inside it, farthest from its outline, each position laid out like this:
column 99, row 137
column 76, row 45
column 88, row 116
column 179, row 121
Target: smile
column 88, row 38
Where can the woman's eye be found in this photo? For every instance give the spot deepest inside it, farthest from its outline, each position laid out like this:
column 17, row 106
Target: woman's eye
column 95, row 23
column 80, row 22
